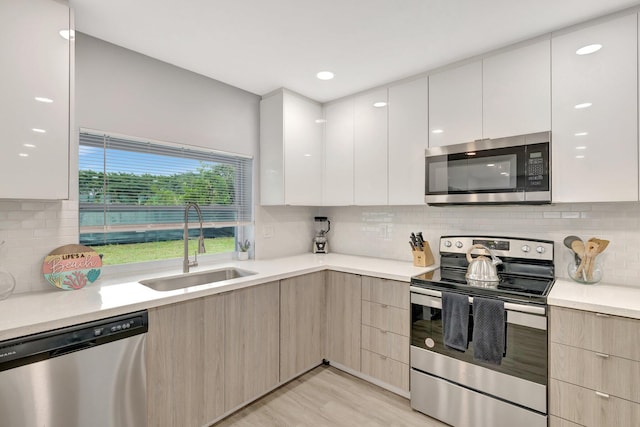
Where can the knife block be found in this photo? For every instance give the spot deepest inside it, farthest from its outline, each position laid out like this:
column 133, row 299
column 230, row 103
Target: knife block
column 424, row 257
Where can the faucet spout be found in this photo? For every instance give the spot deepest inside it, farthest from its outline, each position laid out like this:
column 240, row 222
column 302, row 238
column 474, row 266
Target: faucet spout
column 186, row 263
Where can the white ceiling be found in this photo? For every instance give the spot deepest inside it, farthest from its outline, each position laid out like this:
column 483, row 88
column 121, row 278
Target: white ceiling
column 262, row 45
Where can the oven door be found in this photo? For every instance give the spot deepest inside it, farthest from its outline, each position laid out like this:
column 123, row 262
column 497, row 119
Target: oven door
column 521, row 378
column 507, row 170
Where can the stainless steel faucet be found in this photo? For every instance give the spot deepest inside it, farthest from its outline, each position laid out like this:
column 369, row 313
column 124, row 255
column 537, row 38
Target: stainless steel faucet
column 186, row 263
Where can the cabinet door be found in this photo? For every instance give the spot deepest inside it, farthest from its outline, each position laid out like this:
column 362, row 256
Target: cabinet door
column 251, row 338
column 370, row 130
column 455, row 105
column 408, row 138
column 272, row 150
column 516, row 91
column 185, row 363
column 35, row 133
column 302, row 308
column 595, row 115
column 302, row 151
column 338, row 158
column 343, row 319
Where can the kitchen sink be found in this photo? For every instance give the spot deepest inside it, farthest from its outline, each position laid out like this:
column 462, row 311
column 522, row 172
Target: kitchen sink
column 186, row 280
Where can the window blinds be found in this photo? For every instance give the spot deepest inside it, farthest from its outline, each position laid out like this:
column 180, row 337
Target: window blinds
column 135, row 185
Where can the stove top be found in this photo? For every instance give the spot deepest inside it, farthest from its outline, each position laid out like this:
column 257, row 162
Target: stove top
column 526, row 273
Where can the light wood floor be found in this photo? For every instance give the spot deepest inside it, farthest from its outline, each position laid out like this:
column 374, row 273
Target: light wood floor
column 327, row 397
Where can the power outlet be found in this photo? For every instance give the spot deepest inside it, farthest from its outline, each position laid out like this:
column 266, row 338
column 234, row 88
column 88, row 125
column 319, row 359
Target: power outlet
column 267, row 232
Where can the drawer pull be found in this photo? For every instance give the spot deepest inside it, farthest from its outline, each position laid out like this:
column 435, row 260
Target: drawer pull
column 602, row 315
column 605, row 395
column 604, row 356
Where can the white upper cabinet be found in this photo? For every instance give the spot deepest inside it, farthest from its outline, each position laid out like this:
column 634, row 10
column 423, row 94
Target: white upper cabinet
column 408, row 138
column 595, row 115
column 34, row 106
column 455, row 105
column 338, row 158
column 290, row 150
column 516, row 97
column 370, row 143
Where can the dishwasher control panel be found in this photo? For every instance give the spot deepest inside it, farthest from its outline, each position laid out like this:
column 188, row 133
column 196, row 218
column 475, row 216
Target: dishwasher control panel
column 45, row 345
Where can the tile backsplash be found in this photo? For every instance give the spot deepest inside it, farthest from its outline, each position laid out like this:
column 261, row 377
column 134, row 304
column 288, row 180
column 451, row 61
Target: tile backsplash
column 381, row 231
column 32, row 229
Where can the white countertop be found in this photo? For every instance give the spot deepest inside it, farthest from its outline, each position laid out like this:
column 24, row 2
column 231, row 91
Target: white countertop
column 600, row 298
column 28, row 313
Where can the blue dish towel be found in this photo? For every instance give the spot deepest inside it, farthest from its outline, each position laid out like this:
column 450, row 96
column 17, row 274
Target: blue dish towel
column 455, row 320
column 488, row 330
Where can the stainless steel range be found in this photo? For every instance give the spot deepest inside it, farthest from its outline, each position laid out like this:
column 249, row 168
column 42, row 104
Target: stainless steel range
column 479, row 353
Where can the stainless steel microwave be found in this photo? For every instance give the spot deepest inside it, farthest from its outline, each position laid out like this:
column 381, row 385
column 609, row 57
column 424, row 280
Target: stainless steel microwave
column 509, row 170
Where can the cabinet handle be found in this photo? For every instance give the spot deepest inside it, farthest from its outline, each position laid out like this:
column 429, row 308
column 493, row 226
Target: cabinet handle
column 605, row 395
column 602, row 315
column 383, row 331
column 604, row 356
column 384, row 306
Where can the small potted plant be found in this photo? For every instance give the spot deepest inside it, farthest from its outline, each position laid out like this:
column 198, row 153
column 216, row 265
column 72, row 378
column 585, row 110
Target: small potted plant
column 243, row 254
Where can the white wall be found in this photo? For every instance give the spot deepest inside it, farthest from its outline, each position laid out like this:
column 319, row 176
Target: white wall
column 121, row 91
column 384, row 231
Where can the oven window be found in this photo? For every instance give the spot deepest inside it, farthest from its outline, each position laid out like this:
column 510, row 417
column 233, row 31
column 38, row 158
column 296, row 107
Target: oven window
column 525, row 350
column 481, row 174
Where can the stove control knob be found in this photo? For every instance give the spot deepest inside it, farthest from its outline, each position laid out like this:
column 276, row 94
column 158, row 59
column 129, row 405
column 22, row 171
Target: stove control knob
column 526, row 248
column 448, row 243
column 540, row 249
column 458, row 244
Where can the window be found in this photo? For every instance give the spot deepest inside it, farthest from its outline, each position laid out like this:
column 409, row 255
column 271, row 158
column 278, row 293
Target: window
column 132, row 196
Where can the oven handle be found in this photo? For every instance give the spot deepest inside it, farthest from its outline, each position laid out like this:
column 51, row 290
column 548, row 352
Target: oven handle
column 518, row 314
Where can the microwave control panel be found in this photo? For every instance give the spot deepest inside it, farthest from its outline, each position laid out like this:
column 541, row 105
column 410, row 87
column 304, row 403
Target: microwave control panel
column 537, row 167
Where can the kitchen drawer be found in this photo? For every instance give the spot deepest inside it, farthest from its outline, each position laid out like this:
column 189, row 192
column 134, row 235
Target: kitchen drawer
column 584, row 406
column 385, row 343
column 603, row 333
column 385, row 317
column 598, row 371
column 385, row 369
column 383, row 291
column 559, row 422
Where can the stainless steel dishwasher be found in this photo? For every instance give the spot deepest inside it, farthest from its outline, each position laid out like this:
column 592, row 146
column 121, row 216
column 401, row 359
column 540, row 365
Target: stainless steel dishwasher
column 92, row 374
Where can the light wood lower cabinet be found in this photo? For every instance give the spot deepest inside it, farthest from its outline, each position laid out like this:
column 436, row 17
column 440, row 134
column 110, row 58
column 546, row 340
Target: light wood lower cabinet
column 251, row 343
column 343, row 319
column 594, row 369
column 385, row 331
column 185, row 363
column 385, row 369
column 302, row 320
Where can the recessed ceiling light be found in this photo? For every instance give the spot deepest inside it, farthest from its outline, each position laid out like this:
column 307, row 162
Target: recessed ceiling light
column 586, row 50
column 379, row 104
column 581, row 134
column 67, row 34
column 29, row 145
column 36, row 130
column 581, row 147
column 307, row 155
column 23, row 155
column 583, row 105
column 325, row 75
column 43, row 99
column 321, row 120
column 580, row 157
column 437, row 131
